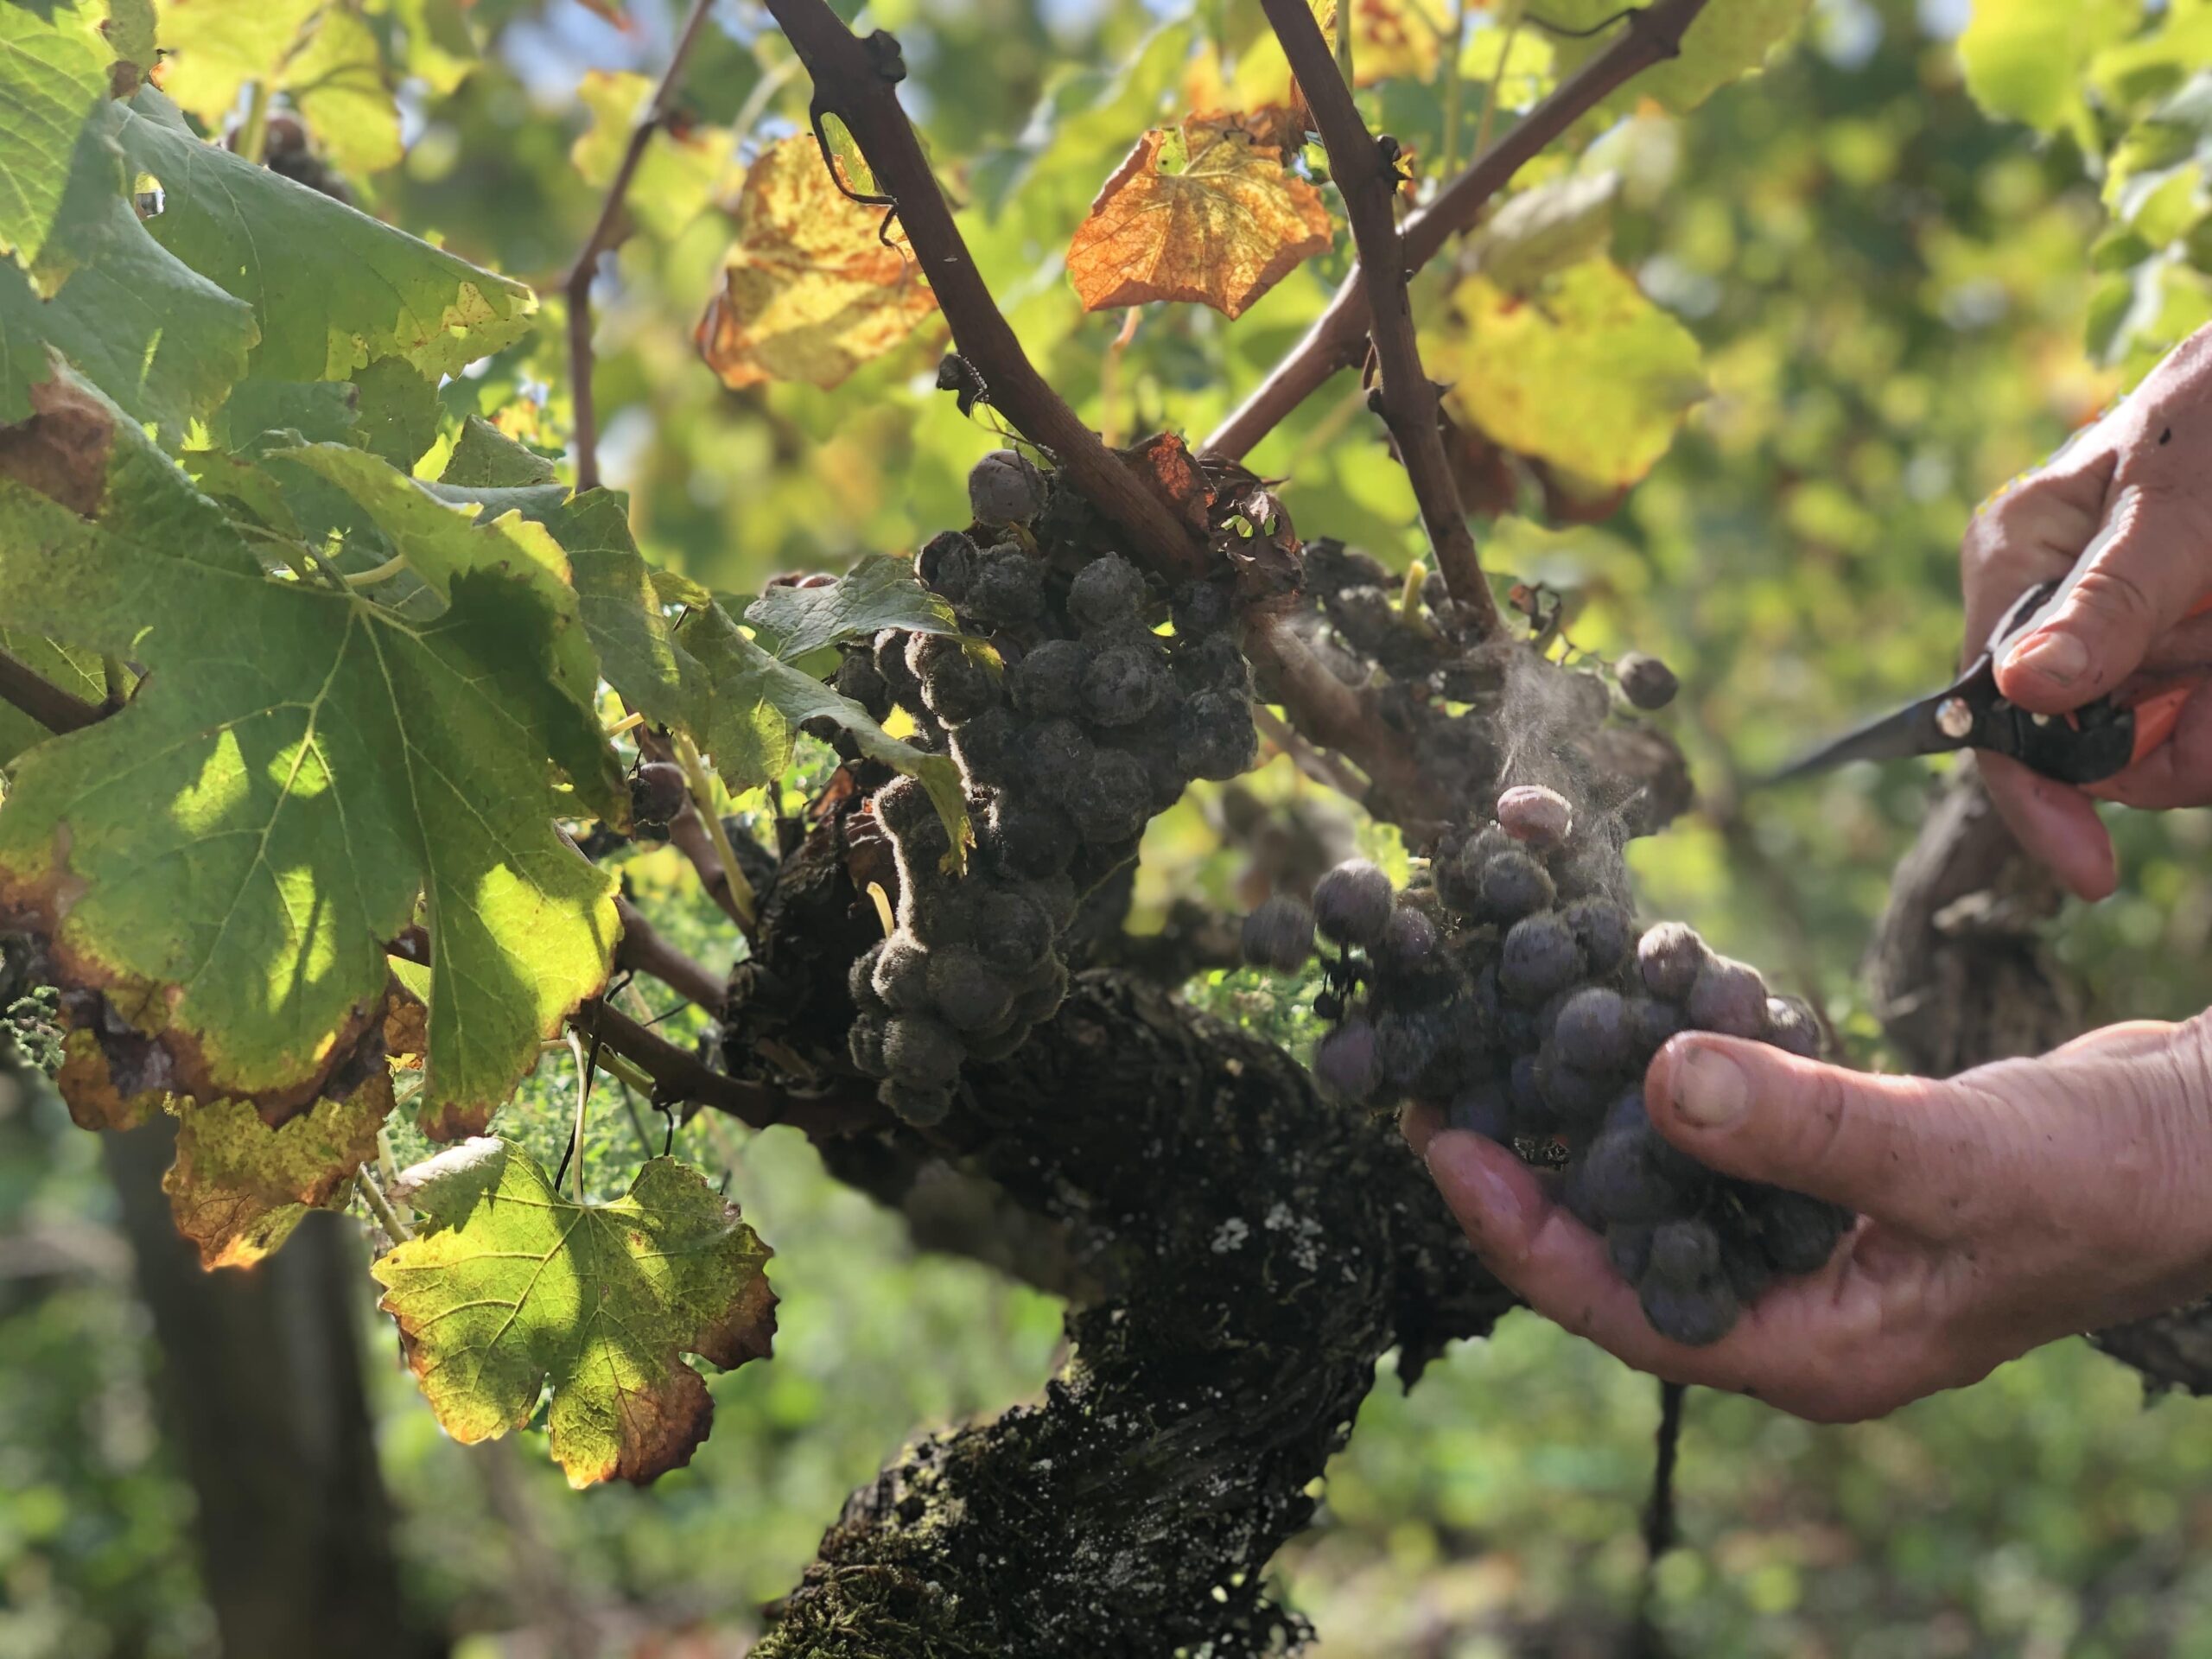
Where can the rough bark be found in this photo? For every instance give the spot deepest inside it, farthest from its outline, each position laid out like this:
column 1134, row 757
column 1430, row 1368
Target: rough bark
column 1250, row 1251
column 1961, row 976
column 261, row 1384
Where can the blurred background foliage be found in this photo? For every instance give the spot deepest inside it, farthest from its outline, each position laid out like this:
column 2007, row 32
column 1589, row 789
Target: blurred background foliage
column 1901, row 302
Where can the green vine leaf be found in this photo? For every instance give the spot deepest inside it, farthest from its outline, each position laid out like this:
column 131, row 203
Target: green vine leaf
column 310, row 766
column 60, row 166
column 511, row 1286
column 2023, row 58
column 755, row 703
column 349, row 289
column 239, row 1187
column 153, row 334
column 742, row 702
column 1728, row 40
column 877, row 593
column 323, row 56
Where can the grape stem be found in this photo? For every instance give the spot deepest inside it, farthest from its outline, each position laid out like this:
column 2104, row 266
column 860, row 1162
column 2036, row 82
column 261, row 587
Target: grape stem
column 1367, row 178
column 387, row 1217
column 606, row 233
column 1330, row 770
column 744, row 903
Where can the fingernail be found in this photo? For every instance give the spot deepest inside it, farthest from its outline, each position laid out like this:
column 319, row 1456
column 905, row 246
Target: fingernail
column 1710, row 1090
column 2058, row 657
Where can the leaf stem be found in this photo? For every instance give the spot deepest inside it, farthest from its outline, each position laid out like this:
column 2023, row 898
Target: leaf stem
column 253, row 131
column 575, row 1157
column 626, row 1072
column 1454, row 91
column 703, row 798
column 387, row 1217
column 1513, row 12
column 604, row 235
column 385, row 572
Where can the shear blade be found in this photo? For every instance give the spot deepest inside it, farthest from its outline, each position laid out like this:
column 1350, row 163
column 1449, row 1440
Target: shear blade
column 1913, row 730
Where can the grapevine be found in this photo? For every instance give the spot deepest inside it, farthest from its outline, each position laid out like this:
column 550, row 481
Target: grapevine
column 1073, row 721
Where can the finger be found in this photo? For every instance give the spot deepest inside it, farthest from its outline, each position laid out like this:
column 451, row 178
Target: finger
column 1902, row 1149
column 2185, row 649
column 2056, row 824
column 2123, row 1041
column 1420, row 1124
column 1781, row 1348
column 2178, row 772
column 2137, row 579
column 1548, row 1259
column 2033, row 530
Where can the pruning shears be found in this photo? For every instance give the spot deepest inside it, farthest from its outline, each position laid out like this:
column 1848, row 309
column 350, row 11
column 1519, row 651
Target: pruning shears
column 2093, row 742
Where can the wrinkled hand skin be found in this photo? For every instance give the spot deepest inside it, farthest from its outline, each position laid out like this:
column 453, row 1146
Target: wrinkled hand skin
column 2140, row 482
column 2004, row 1208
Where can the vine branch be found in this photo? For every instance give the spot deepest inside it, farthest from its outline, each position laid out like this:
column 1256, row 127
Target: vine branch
column 577, row 287
column 1652, row 35
column 851, row 82
column 33, row 694
column 680, row 1074
column 642, row 948
column 1366, row 174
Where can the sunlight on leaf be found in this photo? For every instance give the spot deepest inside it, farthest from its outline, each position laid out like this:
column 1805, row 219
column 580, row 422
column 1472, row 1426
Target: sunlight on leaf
column 512, row 1286
column 809, row 292
column 414, row 760
column 1199, row 213
column 1588, row 375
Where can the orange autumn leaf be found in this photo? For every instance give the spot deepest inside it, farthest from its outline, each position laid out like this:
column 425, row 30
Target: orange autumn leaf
column 810, row 292
column 1204, row 212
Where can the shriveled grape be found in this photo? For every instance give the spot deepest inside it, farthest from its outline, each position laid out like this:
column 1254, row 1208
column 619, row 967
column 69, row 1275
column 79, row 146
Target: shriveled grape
column 1535, row 815
column 1353, row 903
column 1729, row 997
column 1279, row 935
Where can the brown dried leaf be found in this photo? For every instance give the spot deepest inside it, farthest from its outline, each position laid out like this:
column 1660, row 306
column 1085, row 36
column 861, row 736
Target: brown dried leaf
column 1165, row 462
column 239, row 1187
column 1204, row 212
column 62, row 450
column 808, row 291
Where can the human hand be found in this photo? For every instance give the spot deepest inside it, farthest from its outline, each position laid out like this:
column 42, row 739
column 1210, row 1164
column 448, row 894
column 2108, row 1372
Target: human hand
column 2011, row 1205
column 2134, row 491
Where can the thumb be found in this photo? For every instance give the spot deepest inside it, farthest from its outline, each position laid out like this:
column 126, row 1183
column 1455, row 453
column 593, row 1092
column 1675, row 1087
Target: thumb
column 1888, row 1146
column 2136, row 580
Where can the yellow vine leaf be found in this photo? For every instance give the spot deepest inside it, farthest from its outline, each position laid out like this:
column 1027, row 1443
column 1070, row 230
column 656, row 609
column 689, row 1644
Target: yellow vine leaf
column 1201, row 212
column 810, row 292
column 510, row 1285
column 1586, row 374
column 239, row 1187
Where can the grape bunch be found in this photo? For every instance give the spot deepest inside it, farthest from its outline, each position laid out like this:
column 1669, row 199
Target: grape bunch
column 1509, row 984
column 1073, row 719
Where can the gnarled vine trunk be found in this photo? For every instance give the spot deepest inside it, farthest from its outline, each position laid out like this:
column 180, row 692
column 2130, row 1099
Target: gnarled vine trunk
column 1243, row 1252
